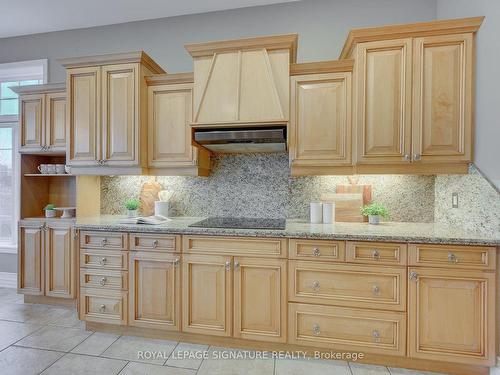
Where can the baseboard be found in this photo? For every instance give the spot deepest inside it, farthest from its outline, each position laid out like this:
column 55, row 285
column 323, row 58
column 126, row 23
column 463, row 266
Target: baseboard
column 8, row 280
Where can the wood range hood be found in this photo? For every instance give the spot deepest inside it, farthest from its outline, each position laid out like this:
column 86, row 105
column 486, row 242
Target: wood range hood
column 242, row 83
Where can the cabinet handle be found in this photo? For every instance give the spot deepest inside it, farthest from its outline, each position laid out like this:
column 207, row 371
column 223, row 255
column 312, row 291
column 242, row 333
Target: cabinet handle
column 102, row 282
column 155, row 244
column 376, row 335
column 102, row 308
column 316, row 252
column 316, row 329
column 75, row 236
column 376, row 290
column 376, row 254
column 315, row 285
column 103, row 261
column 177, row 261
column 413, row 276
column 47, row 148
column 417, row 157
column 407, row 157
column 228, row 265
column 236, row 264
column 104, row 242
column 452, row 258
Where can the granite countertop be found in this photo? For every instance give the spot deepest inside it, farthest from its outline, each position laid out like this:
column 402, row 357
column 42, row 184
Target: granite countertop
column 387, row 231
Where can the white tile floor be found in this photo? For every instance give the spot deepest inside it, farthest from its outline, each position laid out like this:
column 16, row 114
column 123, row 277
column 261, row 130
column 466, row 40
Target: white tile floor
column 40, row 339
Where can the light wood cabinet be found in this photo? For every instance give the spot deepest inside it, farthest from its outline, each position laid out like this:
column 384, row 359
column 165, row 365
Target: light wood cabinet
column 31, row 270
column 170, row 107
column 155, row 290
column 452, row 315
column 107, row 113
column 260, row 299
column 59, row 261
column 42, row 114
column 320, row 120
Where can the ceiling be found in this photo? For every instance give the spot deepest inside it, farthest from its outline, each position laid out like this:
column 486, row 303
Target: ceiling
column 22, row 17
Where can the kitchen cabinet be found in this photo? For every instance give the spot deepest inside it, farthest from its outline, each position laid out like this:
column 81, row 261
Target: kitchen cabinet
column 107, row 113
column 452, row 315
column 170, row 148
column 46, row 258
column 320, row 118
column 42, row 113
column 155, row 290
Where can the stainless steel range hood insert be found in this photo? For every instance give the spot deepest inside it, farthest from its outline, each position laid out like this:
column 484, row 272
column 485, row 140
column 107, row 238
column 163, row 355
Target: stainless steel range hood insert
column 237, row 140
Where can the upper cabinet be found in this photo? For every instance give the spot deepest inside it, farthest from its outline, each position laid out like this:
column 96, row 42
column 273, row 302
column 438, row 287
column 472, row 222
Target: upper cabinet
column 413, row 96
column 107, row 112
column 42, row 111
column 242, row 82
column 170, row 149
column 320, row 118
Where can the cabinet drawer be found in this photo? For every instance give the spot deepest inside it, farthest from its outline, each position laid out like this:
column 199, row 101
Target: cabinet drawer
column 348, row 285
column 104, row 259
column 376, row 253
column 105, row 279
column 451, row 256
column 139, row 241
column 320, row 250
column 104, row 306
column 380, row 332
column 244, row 246
column 104, row 240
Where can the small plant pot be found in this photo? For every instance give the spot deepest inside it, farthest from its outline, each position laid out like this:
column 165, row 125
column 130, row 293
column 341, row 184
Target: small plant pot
column 132, row 213
column 50, row 213
column 374, row 219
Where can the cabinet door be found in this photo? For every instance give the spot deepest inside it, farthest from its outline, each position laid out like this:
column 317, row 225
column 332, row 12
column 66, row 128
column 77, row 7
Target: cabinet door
column 442, row 98
column 320, row 121
column 59, row 261
column 30, row 276
column 55, row 121
column 31, row 112
column 169, row 133
column 120, row 114
column 383, row 101
column 260, row 299
column 82, row 116
column 207, row 294
column 452, row 315
column 154, row 290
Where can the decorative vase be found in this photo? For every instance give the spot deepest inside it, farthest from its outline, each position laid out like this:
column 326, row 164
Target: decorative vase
column 374, row 219
column 50, row 213
column 131, row 213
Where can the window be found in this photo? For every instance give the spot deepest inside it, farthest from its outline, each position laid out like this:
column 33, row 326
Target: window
column 12, row 74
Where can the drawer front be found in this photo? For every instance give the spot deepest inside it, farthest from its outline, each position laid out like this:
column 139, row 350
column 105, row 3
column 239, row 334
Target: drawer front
column 376, row 253
column 243, row 246
column 103, row 279
column 348, row 285
column 320, row 250
column 104, row 306
column 155, row 242
column 451, row 256
column 112, row 260
column 104, row 240
column 380, row 332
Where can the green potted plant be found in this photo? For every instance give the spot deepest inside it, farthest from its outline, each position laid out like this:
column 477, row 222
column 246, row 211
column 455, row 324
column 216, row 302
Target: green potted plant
column 50, row 210
column 132, row 205
column 375, row 211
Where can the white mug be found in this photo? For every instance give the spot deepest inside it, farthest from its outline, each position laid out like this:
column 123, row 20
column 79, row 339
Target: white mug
column 42, row 168
column 67, row 169
column 328, row 212
column 51, row 168
column 316, row 211
column 60, row 168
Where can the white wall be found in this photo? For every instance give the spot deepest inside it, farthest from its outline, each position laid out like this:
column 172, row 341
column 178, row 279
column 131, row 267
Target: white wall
column 487, row 150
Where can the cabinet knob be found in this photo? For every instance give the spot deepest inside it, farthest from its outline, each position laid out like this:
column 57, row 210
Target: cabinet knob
column 228, row 265
column 375, row 254
column 417, row 157
column 407, row 157
column 316, row 329
column 413, row 276
column 452, row 258
column 177, row 261
column 102, row 308
column 376, row 290
column 315, row 285
column 103, row 261
column 104, row 242
column 155, row 244
column 376, row 335
column 102, row 282
column 316, row 252
column 236, row 264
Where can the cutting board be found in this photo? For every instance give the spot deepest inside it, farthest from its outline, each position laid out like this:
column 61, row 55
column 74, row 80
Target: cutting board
column 148, row 196
column 366, row 190
column 347, row 206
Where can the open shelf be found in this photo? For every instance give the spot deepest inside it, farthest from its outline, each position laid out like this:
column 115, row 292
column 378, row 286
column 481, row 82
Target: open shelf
column 48, row 175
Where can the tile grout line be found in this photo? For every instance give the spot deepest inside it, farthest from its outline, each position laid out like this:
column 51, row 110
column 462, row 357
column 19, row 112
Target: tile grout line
column 170, row 355
column 109, row 346
column 121, row 370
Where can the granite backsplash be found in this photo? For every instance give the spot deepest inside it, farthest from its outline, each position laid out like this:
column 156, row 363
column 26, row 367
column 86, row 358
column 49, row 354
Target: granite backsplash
column 259, row 185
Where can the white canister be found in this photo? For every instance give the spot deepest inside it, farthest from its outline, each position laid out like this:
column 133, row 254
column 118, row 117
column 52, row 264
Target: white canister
column 316, row 212
column 328, row 212
column 161, row 208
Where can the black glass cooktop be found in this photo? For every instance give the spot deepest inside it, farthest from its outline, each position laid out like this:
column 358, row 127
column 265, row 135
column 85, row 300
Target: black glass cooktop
column 240, row 223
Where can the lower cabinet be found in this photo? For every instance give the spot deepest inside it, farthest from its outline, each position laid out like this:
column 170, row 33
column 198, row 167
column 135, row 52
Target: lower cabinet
column 104, row 306
column 31, row 270
column 452, row 315
column 154, row 290
column 243, row 297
